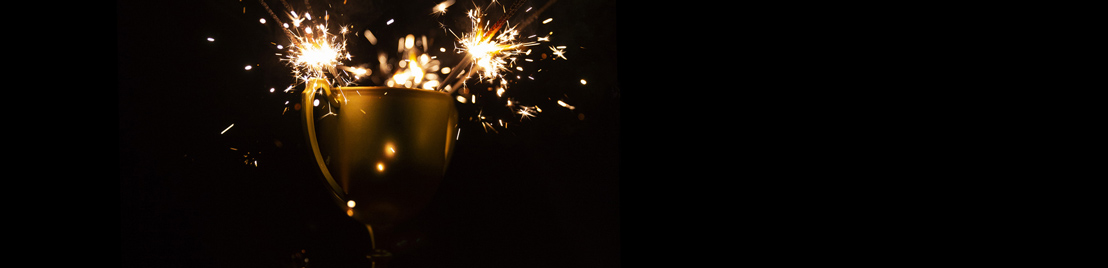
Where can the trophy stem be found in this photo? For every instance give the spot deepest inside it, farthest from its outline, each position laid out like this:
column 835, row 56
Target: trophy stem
column 376, row 256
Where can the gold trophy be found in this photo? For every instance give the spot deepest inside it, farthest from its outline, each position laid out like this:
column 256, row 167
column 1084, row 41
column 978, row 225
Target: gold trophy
column 382, row 150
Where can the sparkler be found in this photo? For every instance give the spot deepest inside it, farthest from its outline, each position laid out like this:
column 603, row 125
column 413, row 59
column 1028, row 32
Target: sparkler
column 488, row 48
column 314, row 51
column 491, row 54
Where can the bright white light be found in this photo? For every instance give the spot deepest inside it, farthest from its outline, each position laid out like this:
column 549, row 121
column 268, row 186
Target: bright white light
column 248, row 67
column 211, row 39
column 350, row 203
column 262, row 20
column 564, row 104
column 389, row 22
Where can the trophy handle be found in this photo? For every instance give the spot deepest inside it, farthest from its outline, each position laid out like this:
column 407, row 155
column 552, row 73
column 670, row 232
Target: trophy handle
column 309, row 126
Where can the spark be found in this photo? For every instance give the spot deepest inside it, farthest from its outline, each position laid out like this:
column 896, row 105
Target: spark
column 441, row 7
column 492, row 50
column 226, row 129
column 211, row 39
column 559, row 51
column 527, row 112
column 416, row 67
column 370, row 37
column 314, row 52
column 487, row 126
column 389, row 22
column 564, row 104
column 360, row 71
column 488, row 48
column 262, row 20
column 584, row 82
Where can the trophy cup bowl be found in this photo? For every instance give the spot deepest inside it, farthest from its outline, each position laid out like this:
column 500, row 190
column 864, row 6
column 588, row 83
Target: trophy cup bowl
column 383, row 151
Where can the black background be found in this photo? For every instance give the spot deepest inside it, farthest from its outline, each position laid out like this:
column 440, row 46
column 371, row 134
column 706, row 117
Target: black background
column 542, row 193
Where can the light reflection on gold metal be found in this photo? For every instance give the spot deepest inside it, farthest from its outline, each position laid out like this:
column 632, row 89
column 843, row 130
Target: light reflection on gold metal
column 390, row 150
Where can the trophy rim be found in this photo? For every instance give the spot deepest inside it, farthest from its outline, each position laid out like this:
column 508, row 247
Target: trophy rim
column 386, row 88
